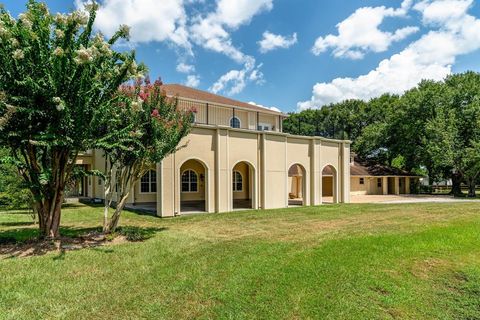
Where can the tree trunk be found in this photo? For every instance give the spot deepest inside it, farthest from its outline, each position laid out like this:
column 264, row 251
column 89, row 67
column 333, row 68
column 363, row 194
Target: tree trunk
column 471, row 188
column 112, row 225
column 456, row 185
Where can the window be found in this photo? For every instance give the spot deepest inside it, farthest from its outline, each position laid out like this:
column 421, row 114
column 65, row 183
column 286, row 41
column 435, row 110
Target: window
column 148, row 183
column 379, row 182
column 235, row 122
column 237, row 180
column 362, row 180
column 264, row 127
column 189, row 181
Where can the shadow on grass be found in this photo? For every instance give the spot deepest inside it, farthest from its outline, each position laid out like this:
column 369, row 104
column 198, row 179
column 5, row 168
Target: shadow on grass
column 24, row 242
column 17, row 224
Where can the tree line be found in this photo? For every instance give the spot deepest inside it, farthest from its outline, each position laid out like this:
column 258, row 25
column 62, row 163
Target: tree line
column 432, row 129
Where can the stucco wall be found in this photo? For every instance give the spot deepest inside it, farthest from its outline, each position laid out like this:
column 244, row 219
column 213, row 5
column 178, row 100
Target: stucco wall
column 356, row 188
column 267, row 155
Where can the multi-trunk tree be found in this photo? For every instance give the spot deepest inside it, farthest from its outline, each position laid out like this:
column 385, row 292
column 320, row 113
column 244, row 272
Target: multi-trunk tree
column 146, row 127
column 57, row 80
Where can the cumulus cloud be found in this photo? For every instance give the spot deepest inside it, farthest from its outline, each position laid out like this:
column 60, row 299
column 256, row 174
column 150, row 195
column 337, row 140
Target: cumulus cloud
column 454, row 32
column 234, row 13
column 360, row 33
column 185, row 68
column 148, row 20
column 271, row 41
column 234, row 81
column 212, row 31
column 167, row 21
column 192, row 81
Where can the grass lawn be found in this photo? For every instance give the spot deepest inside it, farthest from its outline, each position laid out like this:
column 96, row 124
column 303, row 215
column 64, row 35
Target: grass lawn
column 409, row 261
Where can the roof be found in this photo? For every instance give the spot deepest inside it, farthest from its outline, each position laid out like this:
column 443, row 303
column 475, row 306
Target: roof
column 204, row 96
column 366, row 168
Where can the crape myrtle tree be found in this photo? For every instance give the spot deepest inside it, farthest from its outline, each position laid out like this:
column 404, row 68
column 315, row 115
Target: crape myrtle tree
column 145, row 127
column 57, row 80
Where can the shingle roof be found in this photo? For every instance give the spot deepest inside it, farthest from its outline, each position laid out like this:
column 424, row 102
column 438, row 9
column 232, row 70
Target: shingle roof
column 365, row 168
column 195, row 94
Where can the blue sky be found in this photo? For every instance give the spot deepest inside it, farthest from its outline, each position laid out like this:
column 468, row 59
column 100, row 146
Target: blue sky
column 313, row 52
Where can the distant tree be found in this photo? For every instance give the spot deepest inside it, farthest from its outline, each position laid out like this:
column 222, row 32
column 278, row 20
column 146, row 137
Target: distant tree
column 453, row 138
column 433, row 128
column 146, row 127
column 56, row 81
column 337, row 121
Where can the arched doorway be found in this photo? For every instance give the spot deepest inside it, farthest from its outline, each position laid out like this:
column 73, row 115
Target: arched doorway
column 243, row 187
column 193, row 186
column 329, row 184
column 296, row 185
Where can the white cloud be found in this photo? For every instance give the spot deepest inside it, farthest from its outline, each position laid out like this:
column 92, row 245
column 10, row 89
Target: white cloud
column 234, row 81
column 192, row 81
column 360, row 33
column 211, row 32
column 273, row 41
column 261, row 106
column 167, row 21
column 234, row 13
column 430, row 57
column 185, row 68
column 148, row 20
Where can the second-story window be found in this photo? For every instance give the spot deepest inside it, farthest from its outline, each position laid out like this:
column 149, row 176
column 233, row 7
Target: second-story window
column 235, row 122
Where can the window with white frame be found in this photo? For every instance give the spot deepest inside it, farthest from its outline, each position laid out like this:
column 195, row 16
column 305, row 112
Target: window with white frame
column 189, row 181
column 148, row 183
column 237, row 181
column 235, row 122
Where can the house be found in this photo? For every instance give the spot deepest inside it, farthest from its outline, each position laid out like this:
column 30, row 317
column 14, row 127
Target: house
column 236, row 157
column 370, row 178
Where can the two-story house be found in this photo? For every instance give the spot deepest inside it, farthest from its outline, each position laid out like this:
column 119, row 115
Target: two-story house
column 236, row 157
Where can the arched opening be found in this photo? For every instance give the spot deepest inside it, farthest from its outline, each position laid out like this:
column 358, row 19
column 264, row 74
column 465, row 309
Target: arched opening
column 296, row 185
column 243, row 179
column 329, row 184
column 193, row 187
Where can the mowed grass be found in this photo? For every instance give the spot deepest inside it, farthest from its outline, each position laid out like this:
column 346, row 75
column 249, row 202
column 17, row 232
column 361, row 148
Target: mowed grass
column 409, row 261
